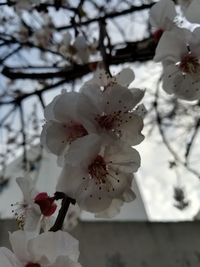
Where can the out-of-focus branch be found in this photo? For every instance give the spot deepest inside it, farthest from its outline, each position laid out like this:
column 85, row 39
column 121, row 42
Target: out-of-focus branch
column 103, row 35
column 24, row 141
column 191, row 142
column 109, row 15
column 131, row 52
column 37, row 93
column 177, row 159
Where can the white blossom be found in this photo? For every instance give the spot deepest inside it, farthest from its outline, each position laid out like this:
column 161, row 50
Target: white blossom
column 46, row 250
column 78, row 49
column 36, row 208
column 112, row 112
column 63, row 123
column 95, row 174
column 179, row 51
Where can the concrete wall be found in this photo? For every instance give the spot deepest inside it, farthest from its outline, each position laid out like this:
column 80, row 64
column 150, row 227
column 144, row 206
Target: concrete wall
column 134, row 244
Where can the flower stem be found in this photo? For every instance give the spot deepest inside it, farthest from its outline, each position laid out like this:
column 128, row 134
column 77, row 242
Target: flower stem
column 66, row 201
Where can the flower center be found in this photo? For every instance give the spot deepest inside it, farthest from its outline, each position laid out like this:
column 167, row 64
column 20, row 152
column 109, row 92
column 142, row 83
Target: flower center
column 74, row 131
column 98, row 169
column 32, row 265
column 189, row 64
column 46, row 204
column 108, row 121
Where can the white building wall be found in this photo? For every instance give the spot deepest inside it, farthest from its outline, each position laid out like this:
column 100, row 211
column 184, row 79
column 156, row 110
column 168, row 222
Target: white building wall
column 132, row 244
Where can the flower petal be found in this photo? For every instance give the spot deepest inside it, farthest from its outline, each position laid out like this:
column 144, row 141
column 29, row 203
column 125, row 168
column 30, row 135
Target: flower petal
column 125, row 77
column 131, row 128
column 92, row 199
column 101, row 77
column 95, row 95
column 169, row 74
column 8, row 259
column 138, row 94
column 186, row 87
column 140, row 111
column 27, row 187
column 118, row 98
column 70, row 180
column 192, row 12
column 54, row 244
column 19, row 241
column 49, row 109
column 161, row 13
column 54, row 137
column 112, row 210
column 84, row 150
column 122, row 158
column 129, row 195
column 65, row 107
column 33, row 219
column 172, row 45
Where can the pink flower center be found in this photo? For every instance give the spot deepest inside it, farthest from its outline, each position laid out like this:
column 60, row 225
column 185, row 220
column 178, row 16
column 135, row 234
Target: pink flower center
column 32, row 265
column 98, row 170
column 189, row 64
column 108, row 122
column 46, row 204
column 74, row 131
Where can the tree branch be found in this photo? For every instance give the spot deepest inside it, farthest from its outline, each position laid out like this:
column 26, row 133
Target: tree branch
column 131, row 52
column 107, row 16
column 62, row 213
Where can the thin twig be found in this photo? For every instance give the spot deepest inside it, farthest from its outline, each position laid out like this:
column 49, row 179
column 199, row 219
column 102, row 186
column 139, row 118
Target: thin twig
column 165, row 141
column 191, row 142
column 62, row 212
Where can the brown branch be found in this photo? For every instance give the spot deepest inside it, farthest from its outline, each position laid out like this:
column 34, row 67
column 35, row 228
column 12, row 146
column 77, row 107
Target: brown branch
column 37, row 93
column 62, row 213
column 102, row 35
column 131, row 52
column 23, row 136
column 107, row 16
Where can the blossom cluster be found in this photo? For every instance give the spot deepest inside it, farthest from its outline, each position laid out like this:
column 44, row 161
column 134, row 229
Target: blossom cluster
column 92, row 133
column 178, row 49
column 48, row 249
column 31, row 248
